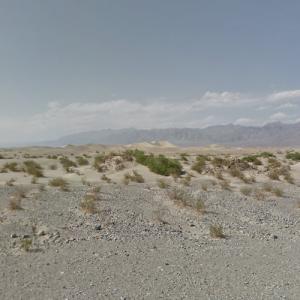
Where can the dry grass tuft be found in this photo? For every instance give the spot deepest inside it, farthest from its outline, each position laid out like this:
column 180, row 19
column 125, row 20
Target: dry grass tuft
column 162, row 183
column 15, row 202
column 216, row 231
column 200, row 206
column 26, row 244
column 88, row 204
column 134, row 177
column 59, row 182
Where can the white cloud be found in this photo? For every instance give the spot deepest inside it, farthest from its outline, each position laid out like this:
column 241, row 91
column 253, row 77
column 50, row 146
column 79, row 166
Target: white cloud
column 210, row 109
column 285, row 96
column 278, row 116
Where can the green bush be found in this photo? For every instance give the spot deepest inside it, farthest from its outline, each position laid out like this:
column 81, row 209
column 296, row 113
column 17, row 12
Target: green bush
column 293, row 156
column 158, row 164
column 82, row 161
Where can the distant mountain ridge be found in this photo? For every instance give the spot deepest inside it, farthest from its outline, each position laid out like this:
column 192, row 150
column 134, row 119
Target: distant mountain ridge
column 273, row 134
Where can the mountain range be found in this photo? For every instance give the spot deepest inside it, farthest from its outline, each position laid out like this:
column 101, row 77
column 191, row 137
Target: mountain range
column 273, row 134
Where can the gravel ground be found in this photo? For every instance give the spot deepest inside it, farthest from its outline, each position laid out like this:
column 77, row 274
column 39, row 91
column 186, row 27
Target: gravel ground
column 140, row 245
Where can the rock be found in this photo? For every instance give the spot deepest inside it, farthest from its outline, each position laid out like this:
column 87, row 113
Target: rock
column 98, row 227
column 41, row 232
column 13, row 235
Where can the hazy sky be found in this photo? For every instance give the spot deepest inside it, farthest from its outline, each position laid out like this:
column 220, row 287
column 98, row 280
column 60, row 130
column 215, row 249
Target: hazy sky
column 70, row 65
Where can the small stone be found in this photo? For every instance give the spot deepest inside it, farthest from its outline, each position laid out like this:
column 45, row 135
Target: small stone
column 13, row 235
column 275, row 237
column 98, row 227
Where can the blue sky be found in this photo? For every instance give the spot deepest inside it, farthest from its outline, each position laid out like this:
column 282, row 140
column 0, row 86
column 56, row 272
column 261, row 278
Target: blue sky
column 70, row 65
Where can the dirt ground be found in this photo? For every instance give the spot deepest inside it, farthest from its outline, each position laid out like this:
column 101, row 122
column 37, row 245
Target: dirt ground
column 148, row 240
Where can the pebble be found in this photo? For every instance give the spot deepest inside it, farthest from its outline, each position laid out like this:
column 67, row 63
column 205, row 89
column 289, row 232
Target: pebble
column 98, row 227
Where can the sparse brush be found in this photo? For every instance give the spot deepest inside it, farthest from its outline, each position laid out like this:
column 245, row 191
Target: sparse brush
column 26, row 244
column 88, row 204
column 81, row 161
column 218, row 174
column 199, row 165
column 179, row 196
column 216, row 231
column 33, row 168
column 183, row 157
column 67, row 164
column 59, row 182
column 200, row 206
column 245, row 190
column 277, row 192
column 15, row 202
column 12, row 166
column 135, row 177
column 274, row 174
column 289, row 178
column 162, row 183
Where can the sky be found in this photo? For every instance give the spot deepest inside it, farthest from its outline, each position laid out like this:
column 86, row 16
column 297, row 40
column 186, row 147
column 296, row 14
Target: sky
column 68, row 66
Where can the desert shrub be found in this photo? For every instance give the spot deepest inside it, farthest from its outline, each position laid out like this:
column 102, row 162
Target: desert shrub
column 266, row 154
column 186, row 180
column 252, row 159
column 245, row 190
column 219, row 162
column 81, row 161
column 59, row 182
column 135, row 177
column 199, row 165
column 183, row 157
column 2, row 157
column 88, row 204
column 274, row 174
column 288, row 177
column 67, row 164
column 33, row 168
column 293, row 156
column 179, row 196
column 274, row 163
column 162, row 183
column 52, row 156
column 216, row 231
column 26, row 244
column 127, row 155
column 158, row 164
column 12, row 166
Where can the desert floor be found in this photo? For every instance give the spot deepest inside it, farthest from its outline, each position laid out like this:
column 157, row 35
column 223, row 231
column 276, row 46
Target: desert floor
column 230, row 231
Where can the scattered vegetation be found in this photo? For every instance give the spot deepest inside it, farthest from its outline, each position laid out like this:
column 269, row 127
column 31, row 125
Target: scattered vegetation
column 200, row 206
column 278, row 192
column 12, row 166
column 200, row 164
column 106, row 178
